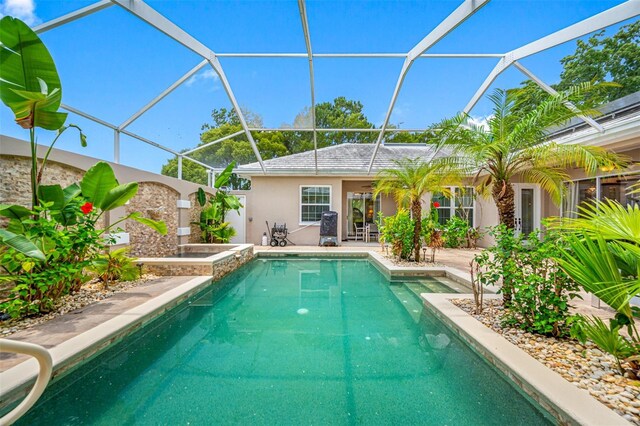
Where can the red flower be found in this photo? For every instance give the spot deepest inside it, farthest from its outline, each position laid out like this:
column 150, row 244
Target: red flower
column 87, row 208
column 436, row 204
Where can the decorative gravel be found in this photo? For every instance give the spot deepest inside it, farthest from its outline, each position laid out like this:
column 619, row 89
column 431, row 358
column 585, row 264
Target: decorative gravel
column 91, row 292
column 583, row 365
column 410, row 263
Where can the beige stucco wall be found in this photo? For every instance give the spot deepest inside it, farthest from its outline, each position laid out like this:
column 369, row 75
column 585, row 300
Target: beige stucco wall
column 277, row 199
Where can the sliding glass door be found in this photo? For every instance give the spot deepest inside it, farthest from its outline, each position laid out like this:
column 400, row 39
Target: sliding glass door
column 362, row 209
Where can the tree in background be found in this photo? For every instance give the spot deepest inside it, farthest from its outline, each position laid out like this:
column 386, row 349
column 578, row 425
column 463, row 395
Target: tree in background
column 598, row 59
column 237, row 149
column 340, row 113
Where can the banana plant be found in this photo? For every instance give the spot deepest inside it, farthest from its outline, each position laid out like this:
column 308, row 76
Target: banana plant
column 31, row 88
column 212, row 218
column 102, row 190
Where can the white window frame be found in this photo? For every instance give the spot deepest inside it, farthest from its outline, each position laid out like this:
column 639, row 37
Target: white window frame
column 598, row 180
column 300, row 204
column 453, row 207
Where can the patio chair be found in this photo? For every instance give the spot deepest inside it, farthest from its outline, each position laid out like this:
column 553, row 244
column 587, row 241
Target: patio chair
column 360, row 230
column 372, row 232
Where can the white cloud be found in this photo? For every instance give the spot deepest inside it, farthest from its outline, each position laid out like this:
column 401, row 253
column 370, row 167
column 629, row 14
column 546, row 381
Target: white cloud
column 482, row 122
column 21, row 9
column 203, row 76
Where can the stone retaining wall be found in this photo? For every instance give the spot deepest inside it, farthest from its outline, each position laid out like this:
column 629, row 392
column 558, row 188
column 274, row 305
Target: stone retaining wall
column 216, row 269
column 158, row 202
column 156, row 199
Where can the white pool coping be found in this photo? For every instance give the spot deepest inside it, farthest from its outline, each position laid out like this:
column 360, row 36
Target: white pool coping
column 566, row 402
column 16, row 380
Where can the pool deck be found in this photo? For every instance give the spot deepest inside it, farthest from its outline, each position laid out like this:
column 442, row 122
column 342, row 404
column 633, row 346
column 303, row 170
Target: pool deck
column 60, row 329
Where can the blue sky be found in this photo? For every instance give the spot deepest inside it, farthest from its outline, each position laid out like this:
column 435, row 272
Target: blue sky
column 111, row 64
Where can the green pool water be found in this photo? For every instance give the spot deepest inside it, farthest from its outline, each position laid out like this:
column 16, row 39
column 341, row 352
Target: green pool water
column 304, row 341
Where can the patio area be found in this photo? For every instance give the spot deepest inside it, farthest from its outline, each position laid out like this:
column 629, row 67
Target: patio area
column 251, row 212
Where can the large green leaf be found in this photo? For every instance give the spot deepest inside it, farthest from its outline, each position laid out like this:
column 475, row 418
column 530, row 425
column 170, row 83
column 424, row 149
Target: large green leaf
column 158, row 225
column 119, row 196
column 97, row 182
column 232, row 203
column 14, row 211
column 52, row 194
column 31, row 85
column 21, row 244
column 201, row 196
column 223, row 178
column 71, row 192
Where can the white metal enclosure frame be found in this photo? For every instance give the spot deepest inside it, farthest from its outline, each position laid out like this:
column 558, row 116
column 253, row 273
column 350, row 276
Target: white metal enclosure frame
column 467, row 8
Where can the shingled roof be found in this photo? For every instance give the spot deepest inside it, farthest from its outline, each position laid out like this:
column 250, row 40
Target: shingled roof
column 345, row 159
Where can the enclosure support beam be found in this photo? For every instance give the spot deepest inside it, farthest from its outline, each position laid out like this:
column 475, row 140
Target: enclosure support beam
column 116, row 146
column 457, row 17
column 215, row 64
column 612, row 16
column 162, row 95
column 550, row 90
column 149, row 15
column 307, row 39
column 502, row 65
column 70, row 17
column 232, row 135
column 88, row 116
column 115, row 128
column 200, row 163
column 321, row 129
column 180, row 167
column 359, row 55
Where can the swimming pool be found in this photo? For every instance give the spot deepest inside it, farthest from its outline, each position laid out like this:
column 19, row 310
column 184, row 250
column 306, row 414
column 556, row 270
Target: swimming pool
column 304, row 341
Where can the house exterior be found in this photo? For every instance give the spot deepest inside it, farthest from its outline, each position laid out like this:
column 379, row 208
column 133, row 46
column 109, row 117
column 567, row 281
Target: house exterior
column 292, row 192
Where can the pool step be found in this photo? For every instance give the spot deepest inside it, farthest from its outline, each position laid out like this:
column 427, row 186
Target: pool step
column 409, row 299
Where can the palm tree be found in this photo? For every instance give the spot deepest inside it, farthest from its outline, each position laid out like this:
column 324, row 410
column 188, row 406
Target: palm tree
column 409, row 181
column 514, row 142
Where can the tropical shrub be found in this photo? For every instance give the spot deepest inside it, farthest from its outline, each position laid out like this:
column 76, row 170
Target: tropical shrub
column 514, row 143
column 607, row 338
column 603, row 256
column 539, row 290
column 473, row 235
column 397, row 230
column 455, row 232
column 44, row 250
column 214, row 227
column 431, row 233
column 65, row 231
column 115, row 266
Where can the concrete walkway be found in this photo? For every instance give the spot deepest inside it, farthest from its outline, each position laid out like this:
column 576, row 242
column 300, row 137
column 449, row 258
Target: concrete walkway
column 64, row 327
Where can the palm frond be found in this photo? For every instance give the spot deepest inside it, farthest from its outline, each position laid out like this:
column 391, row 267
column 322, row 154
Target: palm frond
column 589, row 262
column 609, row 219
column 550, row 180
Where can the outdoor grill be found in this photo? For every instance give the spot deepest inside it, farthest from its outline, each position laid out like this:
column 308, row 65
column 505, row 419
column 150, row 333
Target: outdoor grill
column 329, row 229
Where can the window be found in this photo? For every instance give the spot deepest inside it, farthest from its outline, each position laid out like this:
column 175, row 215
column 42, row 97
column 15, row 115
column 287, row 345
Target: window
column 461, row 205
column 580, row 193
column 313, row 201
